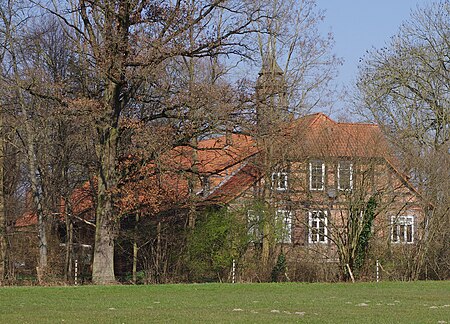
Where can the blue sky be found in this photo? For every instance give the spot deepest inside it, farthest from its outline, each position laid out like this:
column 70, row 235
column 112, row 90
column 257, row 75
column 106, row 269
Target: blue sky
column 359, row 25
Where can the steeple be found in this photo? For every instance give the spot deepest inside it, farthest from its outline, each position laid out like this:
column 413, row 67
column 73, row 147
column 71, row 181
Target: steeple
column 271, row 79
column 271, row 102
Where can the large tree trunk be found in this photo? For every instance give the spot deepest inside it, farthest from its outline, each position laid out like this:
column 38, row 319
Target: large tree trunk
column 103, row 265
column 69, row 242
column 114, row 51
column 42, row 235
column 3, row 240
column 135, row 248
column 36, row 190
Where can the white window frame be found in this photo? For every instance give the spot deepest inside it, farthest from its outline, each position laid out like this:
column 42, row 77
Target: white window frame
column 339, row 175
column 280, row 181
column 314, row 238
column 253, row 230
column 284, row 229
column 399, row 229
column 311, row 175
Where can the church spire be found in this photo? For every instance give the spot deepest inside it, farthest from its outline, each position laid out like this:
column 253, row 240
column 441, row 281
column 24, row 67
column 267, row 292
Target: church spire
column 270, row 94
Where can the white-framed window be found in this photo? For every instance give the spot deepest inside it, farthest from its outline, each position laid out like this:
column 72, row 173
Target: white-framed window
column 402, row 229
column 345, row 175
column 254, row 230
column 283, row 223
column 316, row 175
column 280, row 181
column 318, row 226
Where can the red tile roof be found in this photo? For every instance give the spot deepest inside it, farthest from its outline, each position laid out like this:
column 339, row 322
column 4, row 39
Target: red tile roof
column 81, row 202
column 319, row 136
column 212, row 155
column 235, row 185
column 154, row 190
column 27, row 219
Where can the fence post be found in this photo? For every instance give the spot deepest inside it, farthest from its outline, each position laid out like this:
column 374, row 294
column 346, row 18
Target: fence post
column 76, row 272
column 378, row 271
column 350, row 272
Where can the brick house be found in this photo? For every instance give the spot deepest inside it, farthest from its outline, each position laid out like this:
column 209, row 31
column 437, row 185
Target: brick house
column 328, row 172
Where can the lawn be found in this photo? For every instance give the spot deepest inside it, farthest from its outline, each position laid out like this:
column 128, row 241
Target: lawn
column 386, row 302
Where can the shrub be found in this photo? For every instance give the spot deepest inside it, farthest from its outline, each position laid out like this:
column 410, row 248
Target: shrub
column 219, row 237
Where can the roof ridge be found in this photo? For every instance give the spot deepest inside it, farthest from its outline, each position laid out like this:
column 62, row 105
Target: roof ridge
column 320, row 114
column 357, row 123
column 227, row 177
column 403, row 178
column 222, row 138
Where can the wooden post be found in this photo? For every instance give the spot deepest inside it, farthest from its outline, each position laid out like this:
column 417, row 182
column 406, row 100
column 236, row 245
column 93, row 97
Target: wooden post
column 350, row 272
column 233, row 280
column 76, row 272
column 378, row 271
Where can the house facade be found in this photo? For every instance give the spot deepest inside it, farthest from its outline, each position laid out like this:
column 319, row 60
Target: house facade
column 314, row 205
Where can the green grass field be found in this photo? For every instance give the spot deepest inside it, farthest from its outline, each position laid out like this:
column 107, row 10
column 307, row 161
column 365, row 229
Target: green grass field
column 387, row 302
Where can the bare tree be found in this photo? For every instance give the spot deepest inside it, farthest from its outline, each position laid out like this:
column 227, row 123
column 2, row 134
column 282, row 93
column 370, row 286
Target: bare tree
column 404, row 87
column 11, row 14
column 126, row 45
column 3, row 227
column 3, row 239
column 289, row 41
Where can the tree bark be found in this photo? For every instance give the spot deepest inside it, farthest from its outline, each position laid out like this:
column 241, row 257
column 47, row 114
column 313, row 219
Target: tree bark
column 37, row 199
column 135, row 248
column 3, row 240
column 42, row 234
column 158, row 254
column 69, row 243
column 103, row 265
